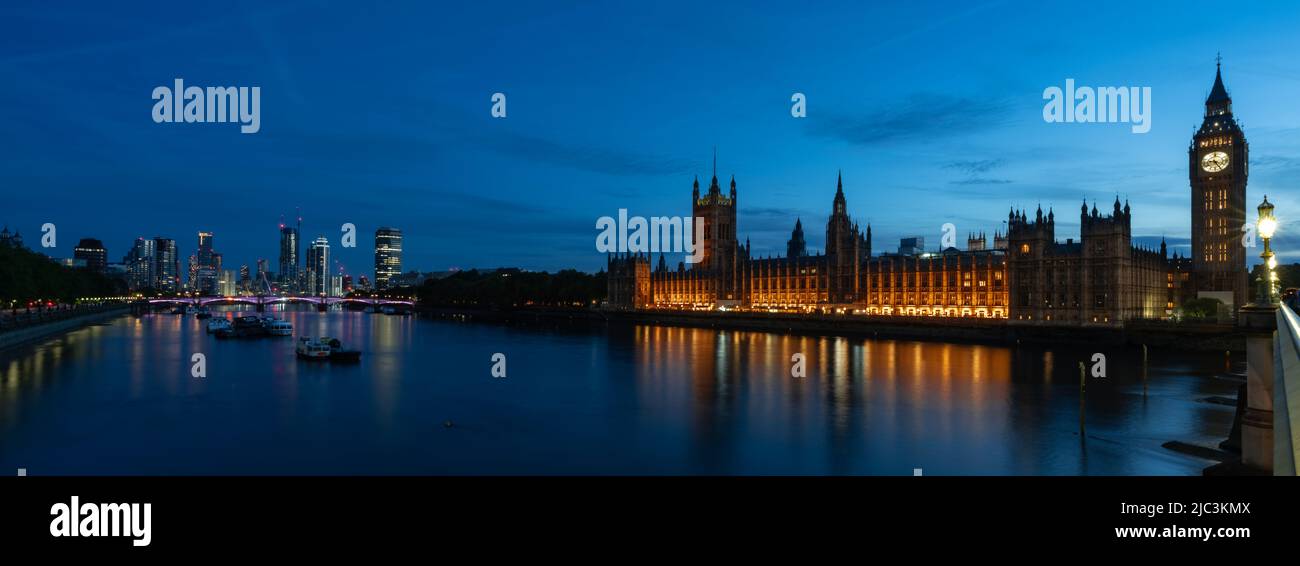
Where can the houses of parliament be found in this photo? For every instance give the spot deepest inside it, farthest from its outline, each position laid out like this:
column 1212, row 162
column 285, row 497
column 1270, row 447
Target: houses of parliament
column 1026, row 276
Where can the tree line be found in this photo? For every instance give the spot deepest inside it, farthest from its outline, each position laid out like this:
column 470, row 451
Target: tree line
column 513, row 288
column 27, row 276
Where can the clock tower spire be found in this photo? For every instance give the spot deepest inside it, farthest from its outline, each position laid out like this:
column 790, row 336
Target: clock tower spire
column 1217, row 169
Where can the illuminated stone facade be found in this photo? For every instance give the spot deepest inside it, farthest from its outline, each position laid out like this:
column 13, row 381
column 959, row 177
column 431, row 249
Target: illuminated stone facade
column 1025, row 276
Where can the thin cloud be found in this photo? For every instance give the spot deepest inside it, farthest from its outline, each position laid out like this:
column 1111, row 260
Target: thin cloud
column 609, row 161
column 976, row 166
column 980, row 181
column 921, row 116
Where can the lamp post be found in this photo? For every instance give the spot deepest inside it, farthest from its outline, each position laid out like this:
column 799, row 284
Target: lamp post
column 1266, row 226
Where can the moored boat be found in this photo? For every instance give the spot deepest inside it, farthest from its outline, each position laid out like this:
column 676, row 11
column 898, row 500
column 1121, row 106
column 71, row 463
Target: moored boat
column 243, row 327
column 312, row 349
column 277, row 326
column 218, row 324
column 325, row 348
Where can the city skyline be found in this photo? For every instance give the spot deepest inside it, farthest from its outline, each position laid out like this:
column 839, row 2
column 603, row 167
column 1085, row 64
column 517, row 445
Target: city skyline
column 412, row 144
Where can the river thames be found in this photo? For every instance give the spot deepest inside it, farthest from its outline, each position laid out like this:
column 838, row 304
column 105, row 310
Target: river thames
column 118, row 398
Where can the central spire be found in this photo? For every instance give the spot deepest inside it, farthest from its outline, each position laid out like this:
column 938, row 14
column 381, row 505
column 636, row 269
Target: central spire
column 839, row 205
column 1218, row 93
column 715, row 164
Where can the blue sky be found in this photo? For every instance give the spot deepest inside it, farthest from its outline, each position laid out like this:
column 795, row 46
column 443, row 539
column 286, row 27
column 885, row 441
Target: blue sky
column 380, row 115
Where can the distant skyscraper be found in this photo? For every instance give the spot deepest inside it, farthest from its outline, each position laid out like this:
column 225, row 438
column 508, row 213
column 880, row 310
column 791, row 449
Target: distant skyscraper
column 93, row 252
column 226, row 283
column 209, row 265
column 193, row 270
column 165, row 272
column 139, row 264
column 288, row 258
column 388, row 255
column 318, row 267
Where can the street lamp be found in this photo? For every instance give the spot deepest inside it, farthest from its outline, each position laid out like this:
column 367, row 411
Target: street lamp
column 1266, row 226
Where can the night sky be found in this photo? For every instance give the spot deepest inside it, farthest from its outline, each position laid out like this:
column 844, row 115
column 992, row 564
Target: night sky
column 381, row 116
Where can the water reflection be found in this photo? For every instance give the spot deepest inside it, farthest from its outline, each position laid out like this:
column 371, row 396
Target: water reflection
column 118, row 398
column 886, row 406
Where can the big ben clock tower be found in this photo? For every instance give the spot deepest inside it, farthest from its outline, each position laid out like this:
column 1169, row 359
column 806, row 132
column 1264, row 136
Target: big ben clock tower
column 1217, row 165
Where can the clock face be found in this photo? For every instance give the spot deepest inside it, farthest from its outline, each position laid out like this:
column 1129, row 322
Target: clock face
column 1214, row 161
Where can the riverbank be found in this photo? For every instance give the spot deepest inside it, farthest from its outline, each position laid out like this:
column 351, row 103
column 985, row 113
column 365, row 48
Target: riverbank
column 1196, row 337
column 59, row 323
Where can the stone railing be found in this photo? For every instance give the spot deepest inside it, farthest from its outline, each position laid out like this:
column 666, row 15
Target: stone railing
column 1286, row 393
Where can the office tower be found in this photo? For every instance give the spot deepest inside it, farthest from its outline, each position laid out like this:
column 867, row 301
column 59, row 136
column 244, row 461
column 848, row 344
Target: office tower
column 140, row 265
column 165, row 272
column 288, row 258
column 388, row 256
column 193, row 272
column 209, row 265
column 93, row 253
column 318, row 264
column 226, row 283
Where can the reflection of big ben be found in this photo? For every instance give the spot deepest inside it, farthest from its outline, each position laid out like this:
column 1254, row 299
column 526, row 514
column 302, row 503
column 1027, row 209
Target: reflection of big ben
column 1218, row 168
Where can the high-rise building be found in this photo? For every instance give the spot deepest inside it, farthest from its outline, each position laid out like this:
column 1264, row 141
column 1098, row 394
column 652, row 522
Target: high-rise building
column 165, row 273
column 388, row 255
column 1217, row 167
column 192, row 269
column 288, row 258
column 93, row 252
column 262, row 280
column 209, row 265
column 140, row 265
column 227, row 285
column 318, row 267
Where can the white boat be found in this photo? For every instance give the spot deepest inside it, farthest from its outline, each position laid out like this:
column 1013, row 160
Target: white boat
column 325, row 348
column 278, row 327
column 313, row 348
column 218, row 324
